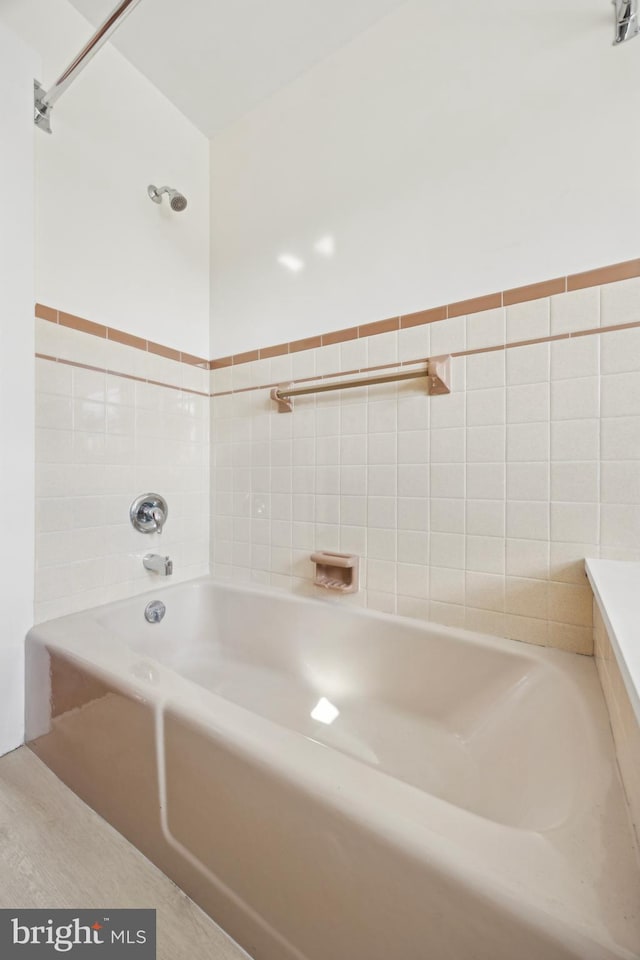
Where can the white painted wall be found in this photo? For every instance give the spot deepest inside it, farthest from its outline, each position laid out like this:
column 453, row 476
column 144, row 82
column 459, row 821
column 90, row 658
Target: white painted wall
column 448, row 152
column 103, row 250
column 17, row 65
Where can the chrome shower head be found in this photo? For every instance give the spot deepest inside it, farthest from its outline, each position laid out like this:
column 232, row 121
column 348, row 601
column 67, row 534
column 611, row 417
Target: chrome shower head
column 177, row 200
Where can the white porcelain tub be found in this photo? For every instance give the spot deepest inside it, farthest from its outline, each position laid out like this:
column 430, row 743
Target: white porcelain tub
column 464, row 804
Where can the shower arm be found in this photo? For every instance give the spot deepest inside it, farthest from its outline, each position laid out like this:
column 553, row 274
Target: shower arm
column 44, row 100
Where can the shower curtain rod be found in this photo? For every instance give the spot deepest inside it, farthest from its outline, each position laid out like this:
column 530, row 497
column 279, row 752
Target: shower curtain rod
column 44, row 100
column 437, row 373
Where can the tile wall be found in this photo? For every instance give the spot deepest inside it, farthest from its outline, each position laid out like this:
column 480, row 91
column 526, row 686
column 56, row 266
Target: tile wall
column 113, row 420
column 474, row 509
column 624, row 724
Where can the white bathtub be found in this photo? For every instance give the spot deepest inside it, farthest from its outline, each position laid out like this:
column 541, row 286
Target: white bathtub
column 464, row 804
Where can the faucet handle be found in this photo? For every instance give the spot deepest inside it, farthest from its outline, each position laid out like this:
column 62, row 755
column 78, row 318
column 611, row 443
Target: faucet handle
column 148, row 513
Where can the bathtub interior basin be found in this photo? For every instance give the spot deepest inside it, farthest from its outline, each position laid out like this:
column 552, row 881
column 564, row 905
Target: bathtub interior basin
column 444, row 711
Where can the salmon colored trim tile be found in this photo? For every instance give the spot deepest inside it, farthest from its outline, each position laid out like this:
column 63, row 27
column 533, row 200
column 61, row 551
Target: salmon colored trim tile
column 380, row 326
column 128, row 339
column 194, row 361
column 161, row 351
column 309, row 343
column 248, row 357
column 534, row 291
column 279, row 350
column 423, row 316
column 46, row 313
column 84, row 326
column 339, row 336
column 593, row 278
column 476, row 305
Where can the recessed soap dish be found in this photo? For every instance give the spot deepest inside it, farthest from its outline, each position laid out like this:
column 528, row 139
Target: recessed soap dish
column 336, row 571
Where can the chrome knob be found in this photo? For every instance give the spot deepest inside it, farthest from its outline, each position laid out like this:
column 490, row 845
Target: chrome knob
column 148, row 513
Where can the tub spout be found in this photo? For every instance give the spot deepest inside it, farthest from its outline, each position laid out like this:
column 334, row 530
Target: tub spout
column 157, row 564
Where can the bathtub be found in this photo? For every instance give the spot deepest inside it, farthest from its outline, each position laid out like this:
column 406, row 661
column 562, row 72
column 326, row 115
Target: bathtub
column 330, row 783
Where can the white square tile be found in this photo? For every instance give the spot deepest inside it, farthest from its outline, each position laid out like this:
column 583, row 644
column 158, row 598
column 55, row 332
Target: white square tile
column 575, row 399
column 576, row 522
column 486, row 481
column 621, row 482
column 413, row 480
column 485, row 555
column 485, row 370
column 575, row 357
column 381, row 511
column 571, row 603
column 486, row 407
column 447, row 585
column 485, row 518
column 381, row 576
column 413, row 413
column 620, row 302
column 528, row 481
column 619, row 525
column 567, row 561
column 527, row 558
column 353, row 354
column 447, row 550
column 382, row 448
column 527, row 598
column 620, row 394
column 382, row 480
column 447, row 516
column 575, row 440
column 448, row 411
column 529, row 364
column 413, row 446
column 413, row 547
column 413, row 514
column 528, row 442
column 576, row 310
column 381, row 543
column 528, row 402
column 447, row 480
column 575, row 481
column 485, row 444
column 353, row 510
column 448, row 336
column 382, row 348
column 527, row 520
column 448, row 446
column 486, row 329
column 528, row 320
column 414, row 343
column 413, row 580
column 620, row 350
column 485, row 591
column 620, row 438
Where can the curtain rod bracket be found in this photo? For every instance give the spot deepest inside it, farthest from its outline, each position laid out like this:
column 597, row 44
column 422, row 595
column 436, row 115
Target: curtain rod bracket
column 44, row 100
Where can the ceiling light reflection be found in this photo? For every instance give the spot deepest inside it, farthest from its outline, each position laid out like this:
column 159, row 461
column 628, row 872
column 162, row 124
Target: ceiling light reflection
column 324, row 711
column 291, row 262
column 325, row 246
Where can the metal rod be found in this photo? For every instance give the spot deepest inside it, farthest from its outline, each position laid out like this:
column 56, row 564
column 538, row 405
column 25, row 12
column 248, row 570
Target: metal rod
column 345, row 384
column 46, row 100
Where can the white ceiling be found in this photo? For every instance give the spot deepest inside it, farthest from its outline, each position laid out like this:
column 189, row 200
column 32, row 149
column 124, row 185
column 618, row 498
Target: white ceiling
column 216, row 59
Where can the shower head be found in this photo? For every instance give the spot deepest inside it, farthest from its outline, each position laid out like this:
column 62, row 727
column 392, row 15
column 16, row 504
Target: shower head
column 177, row 200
